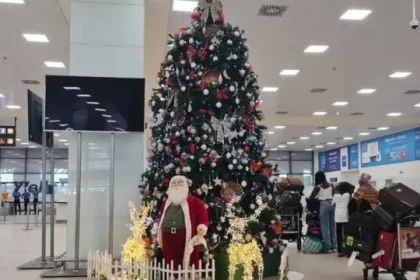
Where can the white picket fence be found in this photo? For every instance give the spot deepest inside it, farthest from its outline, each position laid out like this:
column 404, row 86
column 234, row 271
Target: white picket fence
column 101, row 266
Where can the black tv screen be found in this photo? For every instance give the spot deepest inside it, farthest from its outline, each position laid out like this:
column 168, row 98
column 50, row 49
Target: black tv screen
column 94, row 104
column 35, row 119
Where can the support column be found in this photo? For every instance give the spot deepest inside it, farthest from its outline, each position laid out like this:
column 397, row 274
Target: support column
column 107, row 40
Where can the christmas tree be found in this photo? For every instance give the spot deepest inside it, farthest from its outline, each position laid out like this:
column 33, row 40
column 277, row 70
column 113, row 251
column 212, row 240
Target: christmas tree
column 205, row 116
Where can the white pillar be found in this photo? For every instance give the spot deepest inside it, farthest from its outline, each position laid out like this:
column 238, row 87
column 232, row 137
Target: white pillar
column 107, row 40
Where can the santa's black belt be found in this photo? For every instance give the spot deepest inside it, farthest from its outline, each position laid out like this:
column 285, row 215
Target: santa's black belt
column 173, row 230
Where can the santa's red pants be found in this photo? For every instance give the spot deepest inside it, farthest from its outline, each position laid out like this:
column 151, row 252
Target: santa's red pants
column 174, row 247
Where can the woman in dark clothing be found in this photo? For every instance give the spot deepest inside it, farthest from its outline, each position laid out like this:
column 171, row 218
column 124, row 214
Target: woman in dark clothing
column 26, row 196
column 16, row 201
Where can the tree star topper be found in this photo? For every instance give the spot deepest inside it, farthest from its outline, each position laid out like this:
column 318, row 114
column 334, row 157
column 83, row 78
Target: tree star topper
column 210, row 7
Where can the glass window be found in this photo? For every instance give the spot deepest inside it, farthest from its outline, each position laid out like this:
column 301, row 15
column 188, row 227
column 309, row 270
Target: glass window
column 273, row 155
column 35, row 165
column 307, row 179
column 12, row 165
column 12, row 153
column 302, row 167
column 301, row 155
column 282, row 166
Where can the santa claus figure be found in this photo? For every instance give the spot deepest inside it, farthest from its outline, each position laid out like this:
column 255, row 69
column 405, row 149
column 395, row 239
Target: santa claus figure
column 183, row 220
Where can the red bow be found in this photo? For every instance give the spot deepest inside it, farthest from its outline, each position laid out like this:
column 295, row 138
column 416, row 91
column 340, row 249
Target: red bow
column 191, row 52
column 251, row 126
column 276, row 228
column 192, row 148
column 169, row 83
column 195, row 16
column 192, row 75
column 222, row 94
column 180, row 31
column 203, row 53
column 203, row 85
column 255, row 166
column 204, row 112
column 266, row 171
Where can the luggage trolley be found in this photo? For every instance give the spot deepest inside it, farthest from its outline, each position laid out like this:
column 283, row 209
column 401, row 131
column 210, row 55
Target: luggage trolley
column 293, row 225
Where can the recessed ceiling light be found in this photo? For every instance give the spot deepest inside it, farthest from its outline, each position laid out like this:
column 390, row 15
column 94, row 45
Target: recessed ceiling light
column 54, row 64
column 273, row 149
column 347, row 138
column 106, row 116
column 281, row 146
column 62, row 140
column 353, row 14
column 400, row 75
column 340, row 103
column 269, row 89
column 366, row 91
column 280, row 127
column 100, row 110
column 92, row 103
column 56, row 134
column 331, row 127
column 32, row 146
column 393, row 114
column 66, row 144
column 308, row 150
column 331, row 143
column 120, row 129
column 316, row 49
column 13, row 1
column 270, row 132
column 319, row 113
column 13, row 107
column 83, row 95
column 317, row 133
column 364, row 133
column 289, row 72
column 304, row 138
column 417, row 105
column 63, row 124
column 184, row 6
column 1, row 95
column 24, row 143
column 291, row 143
column 319, row 147
column 18, row 140
column 383, row 128
column 71, row 88
column 111, row 121
column 40, row 38
column 54, row 121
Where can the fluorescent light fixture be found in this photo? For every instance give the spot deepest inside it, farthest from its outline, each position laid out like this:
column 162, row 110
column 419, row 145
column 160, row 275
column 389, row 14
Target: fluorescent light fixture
column 63, row 124
column 319, row 113
column 319, row 147
column 394, row 114
column 54, row 64
column 280, row 127
column 13, row 107
column 93, row 148
column 56, row 134
column 400, row 75
column 106, row 116
column 304, row 138
column 111, row 121
column 309, row 150
column 366, row 91
column 289, row 72
column 273, row 149
column 92, row 103
column 382, row 128
column 1, row 95
column 316, row 49
column 291, row 143
column 13, row 1
column 340, row 103
column 18, row 140
column 62, row 140
column 281, row 146
column 270, row 132
column 71, row 88
column 184, row 6
column 53, row 121
column 348, row 138
column 269, row 89
column 24, row 143
column 317, row 133
column 364, row 133
column 417, row 105
column 100, row 110
column 66, row 144
column 39, row 38
column 84, row 95
column 331, row 143
column 331, row 127
column 353, row 14
column 120, row 129
column 32, row 146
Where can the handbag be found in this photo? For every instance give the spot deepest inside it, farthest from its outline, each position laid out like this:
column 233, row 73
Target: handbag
column 312, row 245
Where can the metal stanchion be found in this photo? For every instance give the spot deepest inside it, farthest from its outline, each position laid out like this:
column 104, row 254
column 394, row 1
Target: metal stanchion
column 78, row 194
column 44, row 198
column 27, row 222
column 52, row 214
column 111, row 196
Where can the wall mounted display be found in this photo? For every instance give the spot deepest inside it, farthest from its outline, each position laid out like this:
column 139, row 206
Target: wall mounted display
column 394, row 148
column 35, row 117
column 341, row 159
column 7, row 136
column 94, row 104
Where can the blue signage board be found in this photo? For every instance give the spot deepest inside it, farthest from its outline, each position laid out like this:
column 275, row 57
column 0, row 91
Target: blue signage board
column 354, row 156
column 395, row 148
column 329, row 161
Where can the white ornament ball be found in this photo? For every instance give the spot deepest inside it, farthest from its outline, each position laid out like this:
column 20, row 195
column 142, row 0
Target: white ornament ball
column 193, row 65
column 204, row 146
column 191, row 40
column 205, row 136
column 211, row 48
column 206, row 92
column 235, row 161
column 215, row 58
column 232, row 119
column 182, row 42
column 244, row 161
column 177, row 134
column 153, row 103
column 170, row 57
column 247, row 65
column 197, row 139
column 230, row 166
column 213, row 164
column 219, row 105
column 235, row 57
column 229, row 42
column 232, row 88
column 252, row 103
column 241, row 133
column 160, row 147
column 240, row 167
column 252, row 206
column 187, row 169
column 183, row 88
column 187, row 78
column 167, row 74
column 228, row 155
column 242, row 72
column 237, row 101
column 237, row 33
column 182, row 62
column 193, row 131
column 161, row 111
column 272, row 179
column 172, row 114
column 263, row 154
column 246, row 168
column 244, row 183
column 200, row 73
column 167, row 140
column 248, row 94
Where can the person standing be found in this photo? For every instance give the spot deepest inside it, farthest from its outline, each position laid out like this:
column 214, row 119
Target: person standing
column 366, row 191
column 26, row 196
column 323, row 191
column 35, row 194
column 341, row 200
column 16, row 201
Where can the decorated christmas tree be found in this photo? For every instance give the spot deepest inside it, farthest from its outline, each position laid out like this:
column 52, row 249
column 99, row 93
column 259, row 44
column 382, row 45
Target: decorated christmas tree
column 205, row 116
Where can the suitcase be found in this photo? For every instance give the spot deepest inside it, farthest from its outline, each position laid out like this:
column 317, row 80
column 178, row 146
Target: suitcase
column 400, row 200
column 292, row 184
column 387, row 241
column 365, row 249
column 363, row 226
column 385, row 220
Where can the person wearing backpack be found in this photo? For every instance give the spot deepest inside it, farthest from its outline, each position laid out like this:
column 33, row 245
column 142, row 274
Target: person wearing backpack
column 323, row 191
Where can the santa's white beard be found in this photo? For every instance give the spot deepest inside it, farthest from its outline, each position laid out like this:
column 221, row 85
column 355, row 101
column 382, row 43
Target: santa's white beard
column 177, row 196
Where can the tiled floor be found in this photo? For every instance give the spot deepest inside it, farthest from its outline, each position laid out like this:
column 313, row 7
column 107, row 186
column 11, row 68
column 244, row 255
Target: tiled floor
column 19, row 246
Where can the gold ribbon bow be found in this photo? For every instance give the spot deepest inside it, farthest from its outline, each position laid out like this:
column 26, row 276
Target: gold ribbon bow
column 210, row 7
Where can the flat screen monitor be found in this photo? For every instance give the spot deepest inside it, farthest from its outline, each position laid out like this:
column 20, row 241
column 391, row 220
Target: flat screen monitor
column 94, row 104
column 35, row 119
column 7, row 136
